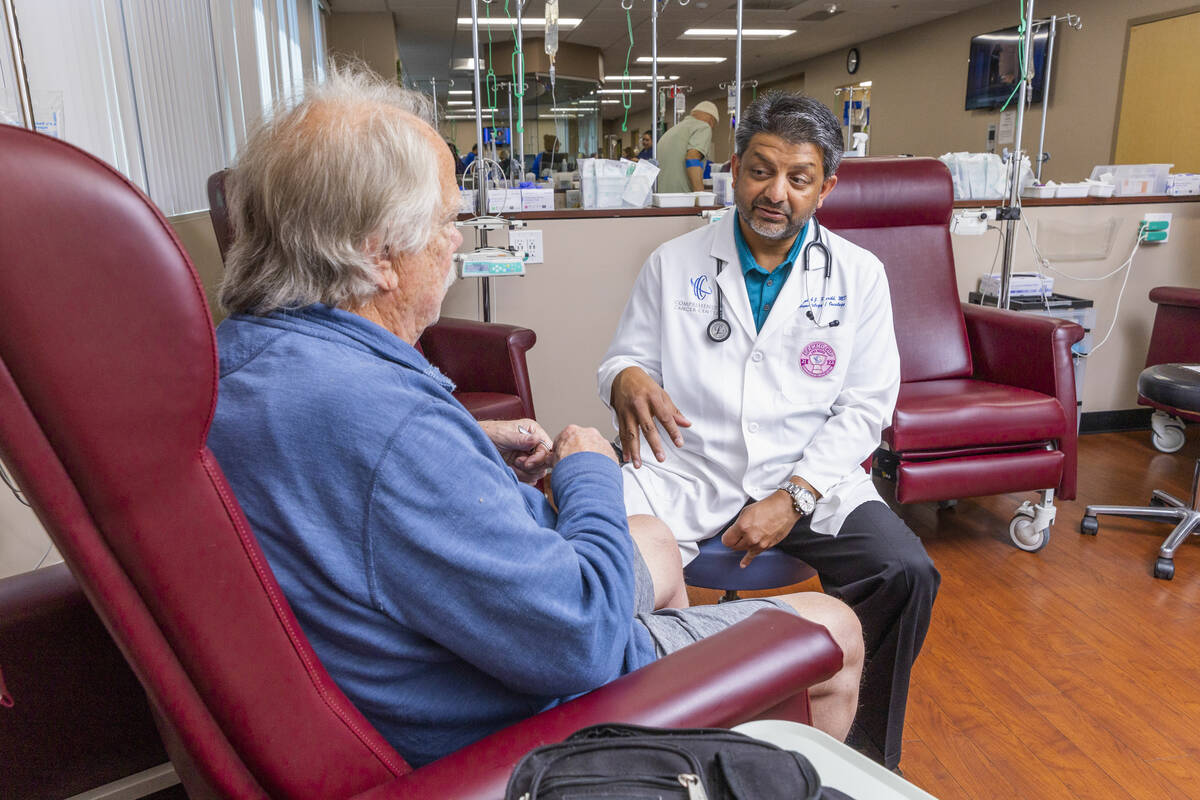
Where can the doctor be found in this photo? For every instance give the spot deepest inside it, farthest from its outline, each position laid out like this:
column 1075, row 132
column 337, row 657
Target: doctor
column 763, row 346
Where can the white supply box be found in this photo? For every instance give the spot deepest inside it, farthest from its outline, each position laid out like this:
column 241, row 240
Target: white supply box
column 674, row 199
column 466, row 203
column 504, row 201
column 537, row 199
column 1184, row 183
column 705, row 198
column 1135, row 179
column 1072, row 189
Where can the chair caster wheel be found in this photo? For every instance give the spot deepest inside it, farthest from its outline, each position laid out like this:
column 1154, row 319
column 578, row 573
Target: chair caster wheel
column 1089, row 525
column 1164, row 568
column 1154, row 501
column 1167, row 432
column 1024, row 535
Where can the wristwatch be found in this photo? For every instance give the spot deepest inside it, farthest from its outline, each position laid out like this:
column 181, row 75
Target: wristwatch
column 803, row 501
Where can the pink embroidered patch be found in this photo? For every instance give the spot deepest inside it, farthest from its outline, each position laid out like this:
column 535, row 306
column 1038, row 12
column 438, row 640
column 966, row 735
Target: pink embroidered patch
column 817, row 359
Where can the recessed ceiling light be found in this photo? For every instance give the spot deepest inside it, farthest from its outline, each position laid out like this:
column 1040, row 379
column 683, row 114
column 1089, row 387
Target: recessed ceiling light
column 460, row 102
column 606, row 102
column 564, row 23
column 461, row 91
column 731, row 33
column 620, row 91
column 682, row 59
column 646, row 78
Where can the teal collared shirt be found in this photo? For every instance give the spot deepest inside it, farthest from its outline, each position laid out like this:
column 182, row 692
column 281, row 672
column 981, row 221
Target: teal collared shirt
column 763, row 287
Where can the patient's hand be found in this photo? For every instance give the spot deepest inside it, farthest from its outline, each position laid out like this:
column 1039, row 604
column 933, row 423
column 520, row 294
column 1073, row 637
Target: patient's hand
column 575, row 439
column 523, row 445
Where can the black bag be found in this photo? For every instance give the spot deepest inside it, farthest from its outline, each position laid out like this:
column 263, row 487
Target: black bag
column 630, row 762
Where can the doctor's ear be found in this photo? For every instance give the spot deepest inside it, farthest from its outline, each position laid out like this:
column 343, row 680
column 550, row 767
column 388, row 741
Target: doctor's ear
column 826, row 188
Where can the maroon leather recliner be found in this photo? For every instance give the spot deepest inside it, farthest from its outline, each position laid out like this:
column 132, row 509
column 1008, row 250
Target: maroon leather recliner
column 485, row 360
column 987, row 397
column 107, row 387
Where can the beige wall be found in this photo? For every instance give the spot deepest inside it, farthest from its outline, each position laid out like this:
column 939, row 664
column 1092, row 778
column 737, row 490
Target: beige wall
column 370, row 37
column 574, row 300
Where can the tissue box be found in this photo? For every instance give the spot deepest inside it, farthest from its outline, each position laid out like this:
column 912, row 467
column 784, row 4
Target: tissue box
column 1184, row 183
column 537, row 199
column 1019, row 283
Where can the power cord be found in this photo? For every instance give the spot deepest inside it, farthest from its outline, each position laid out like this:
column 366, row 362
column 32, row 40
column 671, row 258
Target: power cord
column 1126, row 265
column 12, row 487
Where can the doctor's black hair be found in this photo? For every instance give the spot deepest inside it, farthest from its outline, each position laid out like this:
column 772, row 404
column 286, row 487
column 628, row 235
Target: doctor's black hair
column 795, row 118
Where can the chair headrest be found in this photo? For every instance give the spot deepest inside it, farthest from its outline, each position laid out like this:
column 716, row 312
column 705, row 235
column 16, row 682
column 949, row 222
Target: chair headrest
column 888, row 193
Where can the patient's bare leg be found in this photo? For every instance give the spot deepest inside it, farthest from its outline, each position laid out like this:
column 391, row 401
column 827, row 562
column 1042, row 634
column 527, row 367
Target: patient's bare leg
column 835, row 701
column 661, row 554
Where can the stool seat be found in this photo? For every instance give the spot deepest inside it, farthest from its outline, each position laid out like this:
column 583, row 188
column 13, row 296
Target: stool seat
column 717, row 568
column 1173, row 385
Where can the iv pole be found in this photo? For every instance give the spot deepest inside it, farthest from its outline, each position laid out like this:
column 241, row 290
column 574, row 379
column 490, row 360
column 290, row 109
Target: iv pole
column 1012, row 212
column 1014, row 172
column 18, row 62
column 481, row 205
column 519, row 145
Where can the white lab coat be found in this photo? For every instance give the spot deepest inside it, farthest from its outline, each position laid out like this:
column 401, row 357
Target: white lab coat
column 758, row 414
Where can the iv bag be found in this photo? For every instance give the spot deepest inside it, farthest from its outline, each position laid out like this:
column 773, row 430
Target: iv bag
column 551, row 28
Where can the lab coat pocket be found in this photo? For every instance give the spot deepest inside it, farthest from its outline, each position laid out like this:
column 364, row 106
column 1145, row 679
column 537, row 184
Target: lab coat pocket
column 813, row 365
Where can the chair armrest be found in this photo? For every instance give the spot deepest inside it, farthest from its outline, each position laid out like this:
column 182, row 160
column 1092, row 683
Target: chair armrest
column 1175, row 296
column 720, row 681
column 1030, row 352
column 481, row 356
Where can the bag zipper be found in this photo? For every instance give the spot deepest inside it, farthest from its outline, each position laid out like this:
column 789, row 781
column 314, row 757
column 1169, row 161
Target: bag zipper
column 689, row 781
column 575, row 749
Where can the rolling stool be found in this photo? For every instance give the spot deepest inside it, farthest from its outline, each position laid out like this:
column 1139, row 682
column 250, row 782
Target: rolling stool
column 1174, row 389
column 717, row 568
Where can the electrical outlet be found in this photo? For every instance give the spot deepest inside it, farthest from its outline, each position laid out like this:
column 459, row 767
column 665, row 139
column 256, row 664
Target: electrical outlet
column 1155, row 227
column 529, row 240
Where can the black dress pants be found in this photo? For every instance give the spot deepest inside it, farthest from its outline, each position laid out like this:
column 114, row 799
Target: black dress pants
column 878, row 567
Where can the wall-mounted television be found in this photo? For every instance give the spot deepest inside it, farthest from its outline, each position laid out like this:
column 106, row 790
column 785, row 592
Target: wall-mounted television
column 501, row 135
column 995, row 66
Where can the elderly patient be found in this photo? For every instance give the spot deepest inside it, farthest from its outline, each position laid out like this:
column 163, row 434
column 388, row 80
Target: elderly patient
column 445, row 596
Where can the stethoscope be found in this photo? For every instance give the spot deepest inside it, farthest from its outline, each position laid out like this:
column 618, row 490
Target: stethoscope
column 718, row 329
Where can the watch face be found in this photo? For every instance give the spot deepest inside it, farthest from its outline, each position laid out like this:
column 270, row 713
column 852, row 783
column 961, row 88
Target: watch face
column 852, row 60
column 806, row 501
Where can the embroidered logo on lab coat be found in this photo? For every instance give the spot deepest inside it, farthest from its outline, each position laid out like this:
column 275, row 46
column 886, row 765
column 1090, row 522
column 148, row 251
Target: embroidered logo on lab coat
column 700, row 287
column 817, row 359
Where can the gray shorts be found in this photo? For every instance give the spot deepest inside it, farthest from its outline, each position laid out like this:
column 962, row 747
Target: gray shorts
column 676, row 628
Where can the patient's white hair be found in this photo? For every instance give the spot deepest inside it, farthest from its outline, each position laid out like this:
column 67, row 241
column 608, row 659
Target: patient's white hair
column 316, row 182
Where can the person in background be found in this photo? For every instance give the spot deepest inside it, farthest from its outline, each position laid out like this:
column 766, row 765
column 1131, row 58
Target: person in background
column 627, row 154
column 683, row 149
column 647, row 150
column 459, row 167
column 444, row 594
column 471, row 156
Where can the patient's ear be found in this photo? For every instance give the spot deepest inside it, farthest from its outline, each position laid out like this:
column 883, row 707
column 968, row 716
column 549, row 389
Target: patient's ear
column 387, row 279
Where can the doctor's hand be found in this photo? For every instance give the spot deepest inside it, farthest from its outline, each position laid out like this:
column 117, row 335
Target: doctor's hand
column 761, row 526
column 523, row 445
column 638, row 402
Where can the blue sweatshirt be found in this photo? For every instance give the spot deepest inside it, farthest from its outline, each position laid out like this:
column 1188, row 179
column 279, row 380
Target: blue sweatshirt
column 445, row 598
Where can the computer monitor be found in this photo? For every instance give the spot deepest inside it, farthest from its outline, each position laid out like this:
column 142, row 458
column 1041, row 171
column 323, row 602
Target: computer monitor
column 995, row 66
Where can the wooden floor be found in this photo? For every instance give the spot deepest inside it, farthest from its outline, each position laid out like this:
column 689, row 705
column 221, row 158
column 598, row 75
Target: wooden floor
column 1068, row 673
